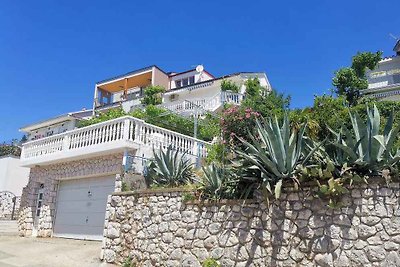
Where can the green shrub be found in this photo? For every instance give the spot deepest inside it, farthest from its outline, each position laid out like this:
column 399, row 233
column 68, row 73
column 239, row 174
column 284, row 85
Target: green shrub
column 186, row 197
column 210, row 262
column 153, row 95
column 227, row 85
column 103, row 116
column 218, row 182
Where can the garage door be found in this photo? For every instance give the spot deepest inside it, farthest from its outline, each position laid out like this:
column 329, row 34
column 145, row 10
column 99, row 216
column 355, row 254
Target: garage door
column 81, row 207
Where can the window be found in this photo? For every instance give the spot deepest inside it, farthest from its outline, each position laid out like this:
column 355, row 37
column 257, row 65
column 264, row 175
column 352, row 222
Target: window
column 184, row 82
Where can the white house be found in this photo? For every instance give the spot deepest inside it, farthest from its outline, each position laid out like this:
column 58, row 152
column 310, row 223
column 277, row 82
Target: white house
column 73, row 170
column 55, row 125
column 384, row 80
column 185, row 91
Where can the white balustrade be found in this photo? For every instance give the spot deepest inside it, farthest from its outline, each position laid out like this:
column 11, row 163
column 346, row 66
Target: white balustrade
column 209, row 104
column 124, row 129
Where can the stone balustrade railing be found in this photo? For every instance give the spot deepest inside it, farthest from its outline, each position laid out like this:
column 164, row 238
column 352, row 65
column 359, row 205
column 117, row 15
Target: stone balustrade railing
column 113, row 132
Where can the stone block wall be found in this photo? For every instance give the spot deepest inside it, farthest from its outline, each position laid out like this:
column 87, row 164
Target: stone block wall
column 48, row 177
column 9, row 205
column 25, row 221
column 156, row 228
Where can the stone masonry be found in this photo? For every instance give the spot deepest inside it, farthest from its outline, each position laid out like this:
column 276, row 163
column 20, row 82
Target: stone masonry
column 156, row 228
column 47, row 178
column 9, row 205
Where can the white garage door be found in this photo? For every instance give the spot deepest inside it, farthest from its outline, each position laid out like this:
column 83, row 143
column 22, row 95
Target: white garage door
column 81, row 207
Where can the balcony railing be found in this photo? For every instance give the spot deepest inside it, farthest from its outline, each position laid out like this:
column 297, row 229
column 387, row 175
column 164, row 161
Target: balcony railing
column 206, row 104
column 124, row 132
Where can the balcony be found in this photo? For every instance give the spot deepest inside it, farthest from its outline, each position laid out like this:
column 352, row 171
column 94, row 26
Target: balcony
column 118, row 135
column 206, row 104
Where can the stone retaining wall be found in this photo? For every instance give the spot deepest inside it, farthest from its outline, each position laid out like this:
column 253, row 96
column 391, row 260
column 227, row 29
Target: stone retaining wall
column 9, row 205
column 158, row 229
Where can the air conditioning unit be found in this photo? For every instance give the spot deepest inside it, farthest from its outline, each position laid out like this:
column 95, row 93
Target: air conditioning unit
column 173, row 97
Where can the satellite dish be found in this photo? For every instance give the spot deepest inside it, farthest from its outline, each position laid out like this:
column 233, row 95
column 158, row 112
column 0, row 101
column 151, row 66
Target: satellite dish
column 199, row 68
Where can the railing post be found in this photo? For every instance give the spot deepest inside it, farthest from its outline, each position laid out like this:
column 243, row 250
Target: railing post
column 65, row 145
column 22, row 152
column 138, row 127
column 126, row 129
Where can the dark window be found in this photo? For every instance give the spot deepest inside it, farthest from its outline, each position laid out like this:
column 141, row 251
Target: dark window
column 185, row 82
column 191, row 80
column 178, row 83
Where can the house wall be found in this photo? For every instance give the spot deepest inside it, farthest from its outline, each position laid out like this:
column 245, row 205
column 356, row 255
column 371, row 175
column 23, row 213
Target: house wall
column 49, row 177
column 13, row 177
column 159, row 229
column 212, row 89
column 386, row 73
column 198, row 77
column 160, row 78
column 51, row 130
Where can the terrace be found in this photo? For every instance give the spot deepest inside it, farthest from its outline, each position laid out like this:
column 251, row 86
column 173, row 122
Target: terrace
column 118, row 135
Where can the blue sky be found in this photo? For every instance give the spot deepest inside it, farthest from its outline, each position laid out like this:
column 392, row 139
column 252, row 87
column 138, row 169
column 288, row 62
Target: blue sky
column 53, row 52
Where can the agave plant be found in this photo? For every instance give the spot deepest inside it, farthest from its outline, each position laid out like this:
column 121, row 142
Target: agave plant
column 170, row 168
column 363, row 147
column 276, row 152
column 218, row 182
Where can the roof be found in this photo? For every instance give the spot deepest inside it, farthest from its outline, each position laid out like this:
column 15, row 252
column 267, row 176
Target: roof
column 58, row 119
column 131, row 73
column 212, row 80
column 187, row 71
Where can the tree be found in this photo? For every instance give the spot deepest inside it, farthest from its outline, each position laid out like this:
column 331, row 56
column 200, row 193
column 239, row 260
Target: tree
column 254, row 88
column 351, row 80
column 152, row 95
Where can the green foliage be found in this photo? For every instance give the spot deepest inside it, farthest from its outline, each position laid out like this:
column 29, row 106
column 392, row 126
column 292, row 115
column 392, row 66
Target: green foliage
column 170, row 168
column 128, row 262
column 254, row 88
column 218, row 182
column 276, row 152
column 103, row 116
column 235, row 123
column 216, row 152
column 210, row 262
column 10, row 149
column 364, row 148
column 186, row 197
column 363, row 61
column 349, row 81
column 236, row 120
column 124, row 187
column 227, row 85
column 152, row 95
column 208, row 126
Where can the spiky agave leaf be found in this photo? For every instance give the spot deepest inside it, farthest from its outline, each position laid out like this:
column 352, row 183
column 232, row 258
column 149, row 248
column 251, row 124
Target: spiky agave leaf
column 276, row 153
column 171, row 168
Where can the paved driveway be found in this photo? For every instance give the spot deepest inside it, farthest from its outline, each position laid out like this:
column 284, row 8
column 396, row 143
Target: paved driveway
column 45, row 252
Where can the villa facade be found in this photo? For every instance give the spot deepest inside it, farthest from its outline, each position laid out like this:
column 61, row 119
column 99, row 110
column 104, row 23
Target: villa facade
column 74, row 170
column 384, row 80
